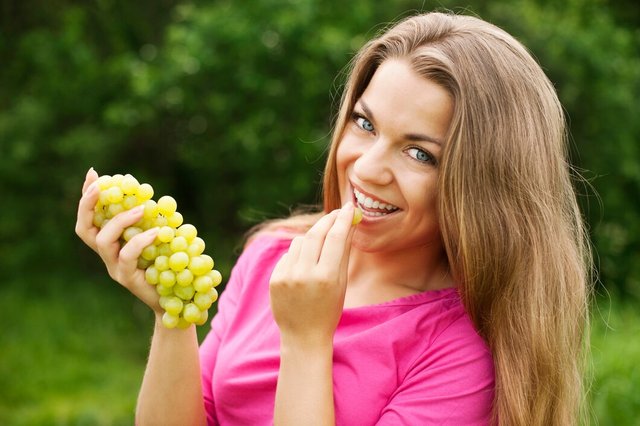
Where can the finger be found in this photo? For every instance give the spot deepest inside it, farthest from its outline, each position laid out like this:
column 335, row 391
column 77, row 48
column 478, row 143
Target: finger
column 279, row 270
column 130, row 276
column 314, row 239
column 347, row 252
column 335, row 245
column 294, row 249
column 84, row 221
column 129, row 254
column 91, row 177
column 108, row 239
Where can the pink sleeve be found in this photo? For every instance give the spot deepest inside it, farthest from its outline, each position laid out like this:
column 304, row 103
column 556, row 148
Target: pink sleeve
column 209, row 347
column 450, row 384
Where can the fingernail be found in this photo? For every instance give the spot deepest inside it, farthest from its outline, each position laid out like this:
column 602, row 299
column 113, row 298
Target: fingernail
column 136, row 210
column 92, row 188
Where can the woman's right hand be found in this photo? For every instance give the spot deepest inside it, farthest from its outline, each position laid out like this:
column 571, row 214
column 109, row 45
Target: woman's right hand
column 121, row 261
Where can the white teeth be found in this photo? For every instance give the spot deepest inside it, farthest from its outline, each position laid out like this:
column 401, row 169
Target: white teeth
column 369, row 202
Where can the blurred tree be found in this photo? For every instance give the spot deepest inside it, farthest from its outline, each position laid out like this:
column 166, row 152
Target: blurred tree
column 228, row 107
column 594, row 62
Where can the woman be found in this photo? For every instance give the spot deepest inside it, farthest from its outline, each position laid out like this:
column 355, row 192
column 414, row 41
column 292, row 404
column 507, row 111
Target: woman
column 460, row 299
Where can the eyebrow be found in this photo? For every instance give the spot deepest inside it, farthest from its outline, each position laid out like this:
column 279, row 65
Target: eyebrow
column 414, row 137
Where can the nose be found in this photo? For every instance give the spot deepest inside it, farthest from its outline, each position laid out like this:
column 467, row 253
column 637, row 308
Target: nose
column 374, row 164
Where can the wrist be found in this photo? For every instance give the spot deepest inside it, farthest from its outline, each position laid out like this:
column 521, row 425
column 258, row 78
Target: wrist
column 159, row 325
column 306, row 345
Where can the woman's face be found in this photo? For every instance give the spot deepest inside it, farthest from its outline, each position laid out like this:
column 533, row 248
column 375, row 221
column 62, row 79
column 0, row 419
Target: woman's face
column 387, row 159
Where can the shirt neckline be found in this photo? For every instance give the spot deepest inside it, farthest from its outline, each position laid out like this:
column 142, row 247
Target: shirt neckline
column 413, row 299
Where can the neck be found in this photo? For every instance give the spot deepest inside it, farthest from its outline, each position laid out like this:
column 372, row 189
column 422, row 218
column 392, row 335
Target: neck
column 383, row 276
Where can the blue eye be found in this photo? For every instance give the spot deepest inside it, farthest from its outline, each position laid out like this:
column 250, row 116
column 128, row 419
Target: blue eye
column 363, row 123
column 421, row 155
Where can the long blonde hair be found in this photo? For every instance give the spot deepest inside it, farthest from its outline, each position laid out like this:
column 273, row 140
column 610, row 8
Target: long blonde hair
column 509, row 217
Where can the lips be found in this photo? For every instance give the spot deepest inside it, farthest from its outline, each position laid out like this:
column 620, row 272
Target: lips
column 372, row 206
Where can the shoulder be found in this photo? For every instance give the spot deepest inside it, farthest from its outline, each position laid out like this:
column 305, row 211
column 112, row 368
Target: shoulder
column 265, row 247
column 455, row 342
column 451, row 379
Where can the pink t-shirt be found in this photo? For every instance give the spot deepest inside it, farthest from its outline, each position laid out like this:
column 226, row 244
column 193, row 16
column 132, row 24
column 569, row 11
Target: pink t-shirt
column 415, row 360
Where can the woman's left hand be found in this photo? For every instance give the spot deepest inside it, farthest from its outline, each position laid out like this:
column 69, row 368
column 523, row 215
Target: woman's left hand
column 308, row 284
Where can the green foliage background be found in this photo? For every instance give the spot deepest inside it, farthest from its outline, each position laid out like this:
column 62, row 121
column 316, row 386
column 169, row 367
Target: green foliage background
column 228, row 107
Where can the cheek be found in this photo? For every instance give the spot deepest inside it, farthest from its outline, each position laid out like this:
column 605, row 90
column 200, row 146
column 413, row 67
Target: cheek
column 425, row 200
column 344, row 158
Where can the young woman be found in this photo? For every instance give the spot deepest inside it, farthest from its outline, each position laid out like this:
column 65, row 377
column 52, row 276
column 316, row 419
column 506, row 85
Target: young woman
column 461, row 298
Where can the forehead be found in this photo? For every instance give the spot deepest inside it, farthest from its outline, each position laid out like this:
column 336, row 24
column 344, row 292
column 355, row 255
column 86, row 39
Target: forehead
column 399, row 95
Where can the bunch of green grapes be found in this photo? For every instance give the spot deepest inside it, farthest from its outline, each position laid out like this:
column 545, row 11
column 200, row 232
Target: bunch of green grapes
column 175, row 262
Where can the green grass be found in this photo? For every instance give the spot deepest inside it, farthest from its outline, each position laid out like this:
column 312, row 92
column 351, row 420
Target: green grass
column 72, row 352
column 615, row 352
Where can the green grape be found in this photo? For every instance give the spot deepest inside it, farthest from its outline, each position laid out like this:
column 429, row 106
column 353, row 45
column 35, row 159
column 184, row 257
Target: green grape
column 208, row 261
column 167, row 205
column 175, row 220
column 166, row 234
column 103, row 198
column 167, row 278
column 188, row 231
column 151, row 274
column 116, row 179
column 129, row 202
column 104, row 182
column 98, row 218
column 170, row 321
column 184, row 293
column 144, row 263
column 204, row 316
column 129, row 185
column 357, row 216
column 160, row 221
column 191, row 313
column 183, row 324
column 196, row 247
column 150, row 209
column 164, row 291
column 198, row 265
column 178, row 261
column 184, row 277
column 145, row 192
column 175, row 257
column 131, row 232
column 173, row 305
column 161, row 263
column 145, row 223
column 202, row 301
column 162, row 301
column 213, row 293
column 114, row 209
column 203, row 283
column 216, row 277
column 179, row 244
column 150, row 252
column 114, row 195
column 164, row 249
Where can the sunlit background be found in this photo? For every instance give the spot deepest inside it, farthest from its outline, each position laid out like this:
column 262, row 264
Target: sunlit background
column 228, row 106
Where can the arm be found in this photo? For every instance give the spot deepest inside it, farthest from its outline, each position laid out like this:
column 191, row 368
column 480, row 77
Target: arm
column 171, row 389
column 304, row 394
column 171, row 392
column 307, row 294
